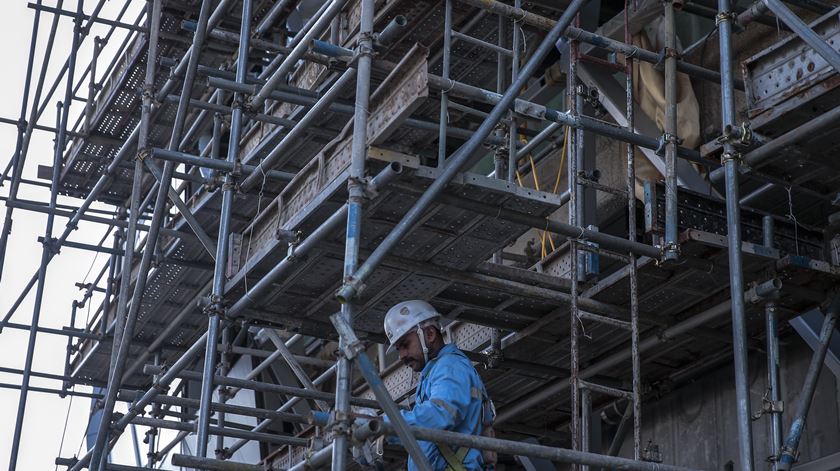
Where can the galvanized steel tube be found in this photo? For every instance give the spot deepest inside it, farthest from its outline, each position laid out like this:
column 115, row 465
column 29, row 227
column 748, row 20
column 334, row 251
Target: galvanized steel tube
column 806, row 396
column 217, row 306
column 733, row 220
column 464, row 156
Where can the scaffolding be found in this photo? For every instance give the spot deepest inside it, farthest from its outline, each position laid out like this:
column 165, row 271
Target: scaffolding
column 353, row 137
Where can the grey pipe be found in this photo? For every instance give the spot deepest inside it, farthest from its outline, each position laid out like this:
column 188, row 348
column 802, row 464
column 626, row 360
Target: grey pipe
column 199, row 462
column 513, row 448
column 444, row 94
column 217, row 306
column 802, row 30
column 297, row 53
column 118, row 365
column 274, row 438
column 220, row 165
column 774, row 150
column 733, row 222
column 355, row 190
column 557, row 387
column 461, row 159
column 672, row 248
column 803, row 404
column 390, row 33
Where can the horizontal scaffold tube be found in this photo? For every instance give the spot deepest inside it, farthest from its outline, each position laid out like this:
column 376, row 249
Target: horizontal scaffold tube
column 369, row 428
column 603, row 42
column 225, row 432
column 303, row 97
column 184, row 402
column 218, row 164
column 513, row 448
column 276, row 388
column 329, row 227
column 604, row 240
column 211, row 464
column 586, row 123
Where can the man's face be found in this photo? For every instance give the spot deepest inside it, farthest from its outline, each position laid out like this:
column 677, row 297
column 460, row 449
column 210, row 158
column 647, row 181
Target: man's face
column 411, row 353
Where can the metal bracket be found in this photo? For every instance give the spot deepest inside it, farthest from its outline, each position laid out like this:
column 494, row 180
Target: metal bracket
column 725, row 16
column 494, row 358
column 52, row 246
column 727, row 156
column 793, row 453
column 741, row 136
column 353, row 346
column 651, row 453
column 673, row 247
column 664, row 140
column 769, row 407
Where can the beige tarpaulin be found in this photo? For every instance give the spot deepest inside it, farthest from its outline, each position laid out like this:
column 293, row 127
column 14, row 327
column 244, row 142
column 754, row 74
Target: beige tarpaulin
column 649, row 92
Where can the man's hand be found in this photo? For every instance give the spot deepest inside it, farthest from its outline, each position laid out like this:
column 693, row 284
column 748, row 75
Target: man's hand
column 369, row 453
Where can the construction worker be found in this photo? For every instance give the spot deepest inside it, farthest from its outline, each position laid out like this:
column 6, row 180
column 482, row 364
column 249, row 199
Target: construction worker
column 450, row 395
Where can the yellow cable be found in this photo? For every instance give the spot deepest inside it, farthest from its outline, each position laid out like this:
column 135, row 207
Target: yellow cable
column 562, row 160
column 534, row 173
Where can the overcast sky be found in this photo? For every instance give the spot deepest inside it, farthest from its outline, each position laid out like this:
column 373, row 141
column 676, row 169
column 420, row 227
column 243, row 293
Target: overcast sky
column 46, row 414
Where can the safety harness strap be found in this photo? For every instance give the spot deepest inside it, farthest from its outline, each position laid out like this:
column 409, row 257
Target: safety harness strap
column 454, row 460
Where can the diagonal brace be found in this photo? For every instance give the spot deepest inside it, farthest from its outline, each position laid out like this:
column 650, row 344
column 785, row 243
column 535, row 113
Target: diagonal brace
column 805, row 32
column 203, row 237
column 354, row 350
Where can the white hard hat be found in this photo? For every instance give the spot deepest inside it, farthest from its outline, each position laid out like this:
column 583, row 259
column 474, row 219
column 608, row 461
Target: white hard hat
column 404, row 317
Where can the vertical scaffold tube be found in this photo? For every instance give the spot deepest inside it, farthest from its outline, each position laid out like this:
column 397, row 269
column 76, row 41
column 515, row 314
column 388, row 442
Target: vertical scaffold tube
column 355, row 188
column 636, row 406
column 216, row 307
column 444, row 94
column 25, row 128
column 806, row 396
column 116, row 374
column 465, row 155
column 671, row 247
column 733, row 220
column 574, row 104
column 39, row 293
column 49, row 247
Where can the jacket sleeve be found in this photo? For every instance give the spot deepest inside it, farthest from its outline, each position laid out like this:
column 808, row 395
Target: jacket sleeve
column 449, row 398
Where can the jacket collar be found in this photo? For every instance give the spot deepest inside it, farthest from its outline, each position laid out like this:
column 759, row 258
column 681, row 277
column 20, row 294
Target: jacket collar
column 446, row 349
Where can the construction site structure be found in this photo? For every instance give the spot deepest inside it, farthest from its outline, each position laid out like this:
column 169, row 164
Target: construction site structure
column 633, row 240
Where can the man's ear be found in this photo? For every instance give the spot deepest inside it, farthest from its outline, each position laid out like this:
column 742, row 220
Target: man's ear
column 430, row 332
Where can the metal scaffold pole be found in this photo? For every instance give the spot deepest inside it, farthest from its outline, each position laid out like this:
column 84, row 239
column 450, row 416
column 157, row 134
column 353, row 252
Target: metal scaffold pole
column 459, row 160
column 216, row 308
column 25, row 128
column 575, row 104
column 353, row 237
column 731, row 161
column 285, row 91
column 116, row 372
column 444, row 94
column 671, row 248
column 49, row 248
column 635, row 407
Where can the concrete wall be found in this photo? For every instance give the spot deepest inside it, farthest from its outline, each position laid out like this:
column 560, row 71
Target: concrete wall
column 696, row 425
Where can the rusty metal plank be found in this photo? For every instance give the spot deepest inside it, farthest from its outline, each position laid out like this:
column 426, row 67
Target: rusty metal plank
column 402, row 92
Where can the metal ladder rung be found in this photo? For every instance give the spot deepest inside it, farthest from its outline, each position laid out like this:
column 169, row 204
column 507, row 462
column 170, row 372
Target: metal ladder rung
column 479, row 42
column 605, row 320
column 603, row 252
column 600, row 187
column 605, row 389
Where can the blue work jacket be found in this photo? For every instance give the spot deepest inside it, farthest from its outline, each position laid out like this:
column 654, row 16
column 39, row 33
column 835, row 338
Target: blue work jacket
column 449, row 397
